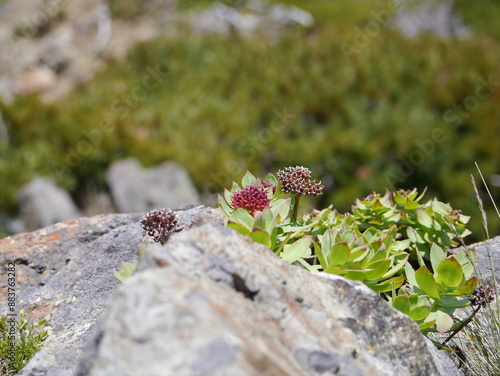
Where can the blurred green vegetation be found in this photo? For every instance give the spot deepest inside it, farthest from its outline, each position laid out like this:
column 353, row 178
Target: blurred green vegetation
column 385, row 117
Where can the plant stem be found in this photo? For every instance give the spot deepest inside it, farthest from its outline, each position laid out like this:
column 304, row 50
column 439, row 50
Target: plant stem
column 462, row 325
column 295, row 207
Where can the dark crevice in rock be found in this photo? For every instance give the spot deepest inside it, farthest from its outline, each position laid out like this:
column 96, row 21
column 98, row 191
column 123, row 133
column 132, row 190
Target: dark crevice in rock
column 38, row 268
column 240, row 286
column 21, row 261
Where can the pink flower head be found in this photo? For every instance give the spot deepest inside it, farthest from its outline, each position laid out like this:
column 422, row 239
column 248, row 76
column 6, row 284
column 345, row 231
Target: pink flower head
column 251, row 198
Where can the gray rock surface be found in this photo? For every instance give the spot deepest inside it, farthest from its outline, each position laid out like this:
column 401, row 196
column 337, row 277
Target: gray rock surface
column 437, row 17
column 64, row 273
column 488, row 258
column 42, row 203
column 138, row 189
column 248, row 17
column 212, row 302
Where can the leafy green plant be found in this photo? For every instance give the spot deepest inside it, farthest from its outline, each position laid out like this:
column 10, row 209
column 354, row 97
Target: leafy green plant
column 431, row 297
column 394, row 244
column 127, row 270
column 433, row 222
column 18, row 348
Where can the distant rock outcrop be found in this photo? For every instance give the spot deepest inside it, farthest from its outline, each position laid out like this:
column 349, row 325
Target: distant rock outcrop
column 429, row 16
column 42, row 202
column 137, row 189
column 208, row 302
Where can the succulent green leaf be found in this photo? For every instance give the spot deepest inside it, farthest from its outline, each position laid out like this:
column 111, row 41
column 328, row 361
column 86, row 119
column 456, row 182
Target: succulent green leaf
column 400, row 262
column 319, row 253
column 413, row 235
column 335, row 270
column 224, row 208
column 426, row 326
column 355, row 272
column 420, row 312
column 242, row 217
column 453, row 302
column 444, row 322
column 262, row 237
column 401, row 303
column 426, row 282
column 401, row 245
column 437, row 256
column 467, row 287
column 388, row 284
column 424, row 218
column 281, row 208
column 449, row 272
column 300, row 248
column 234, row 188
column 440, row 207
column 266, row 220
column 411, row 205
column 248, row 179
column 464, row 219
column 227, row 195
column 307, row 266
column 467, row 259
column 243, row 230
column 339, row 254
column 410, row 276
column 400, row 199
column 359, row 253
column 380, row 267
column 271, row 179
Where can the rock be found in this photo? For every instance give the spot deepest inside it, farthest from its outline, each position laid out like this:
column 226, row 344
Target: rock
column 212, row 302
column 35, row 80
column 42, row 202
column 72, row 40
column 248, row 18
column 437, row 17
column 486, row 267
column 64, row 273
column 135, row 189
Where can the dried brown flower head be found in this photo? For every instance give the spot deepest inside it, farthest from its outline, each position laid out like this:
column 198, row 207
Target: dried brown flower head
column 482, row 296
column 160, row 224
column 297, row 180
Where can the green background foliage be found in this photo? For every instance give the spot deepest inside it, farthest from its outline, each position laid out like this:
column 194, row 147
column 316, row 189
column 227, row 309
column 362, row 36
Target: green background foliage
column 219, row 112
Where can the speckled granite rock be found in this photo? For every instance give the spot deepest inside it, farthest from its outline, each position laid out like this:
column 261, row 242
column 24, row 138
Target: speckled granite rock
column 64, row 273
column 211, row 302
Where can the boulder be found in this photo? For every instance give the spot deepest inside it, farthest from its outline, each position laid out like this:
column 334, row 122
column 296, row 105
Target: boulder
column 209, row 302
column 42, row 203
column 488, row 259
column 35, row 80
column 437, row 17
column 248, row 17
column 136, row 189
column 64, row 273
column 212, row 302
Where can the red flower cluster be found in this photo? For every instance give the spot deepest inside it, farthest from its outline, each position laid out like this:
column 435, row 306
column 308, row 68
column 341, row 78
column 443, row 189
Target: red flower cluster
column 252, row 198
column 160, row 224
column 296, row 180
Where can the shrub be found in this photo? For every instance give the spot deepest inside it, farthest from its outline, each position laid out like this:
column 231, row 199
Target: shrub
column 28, row 340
